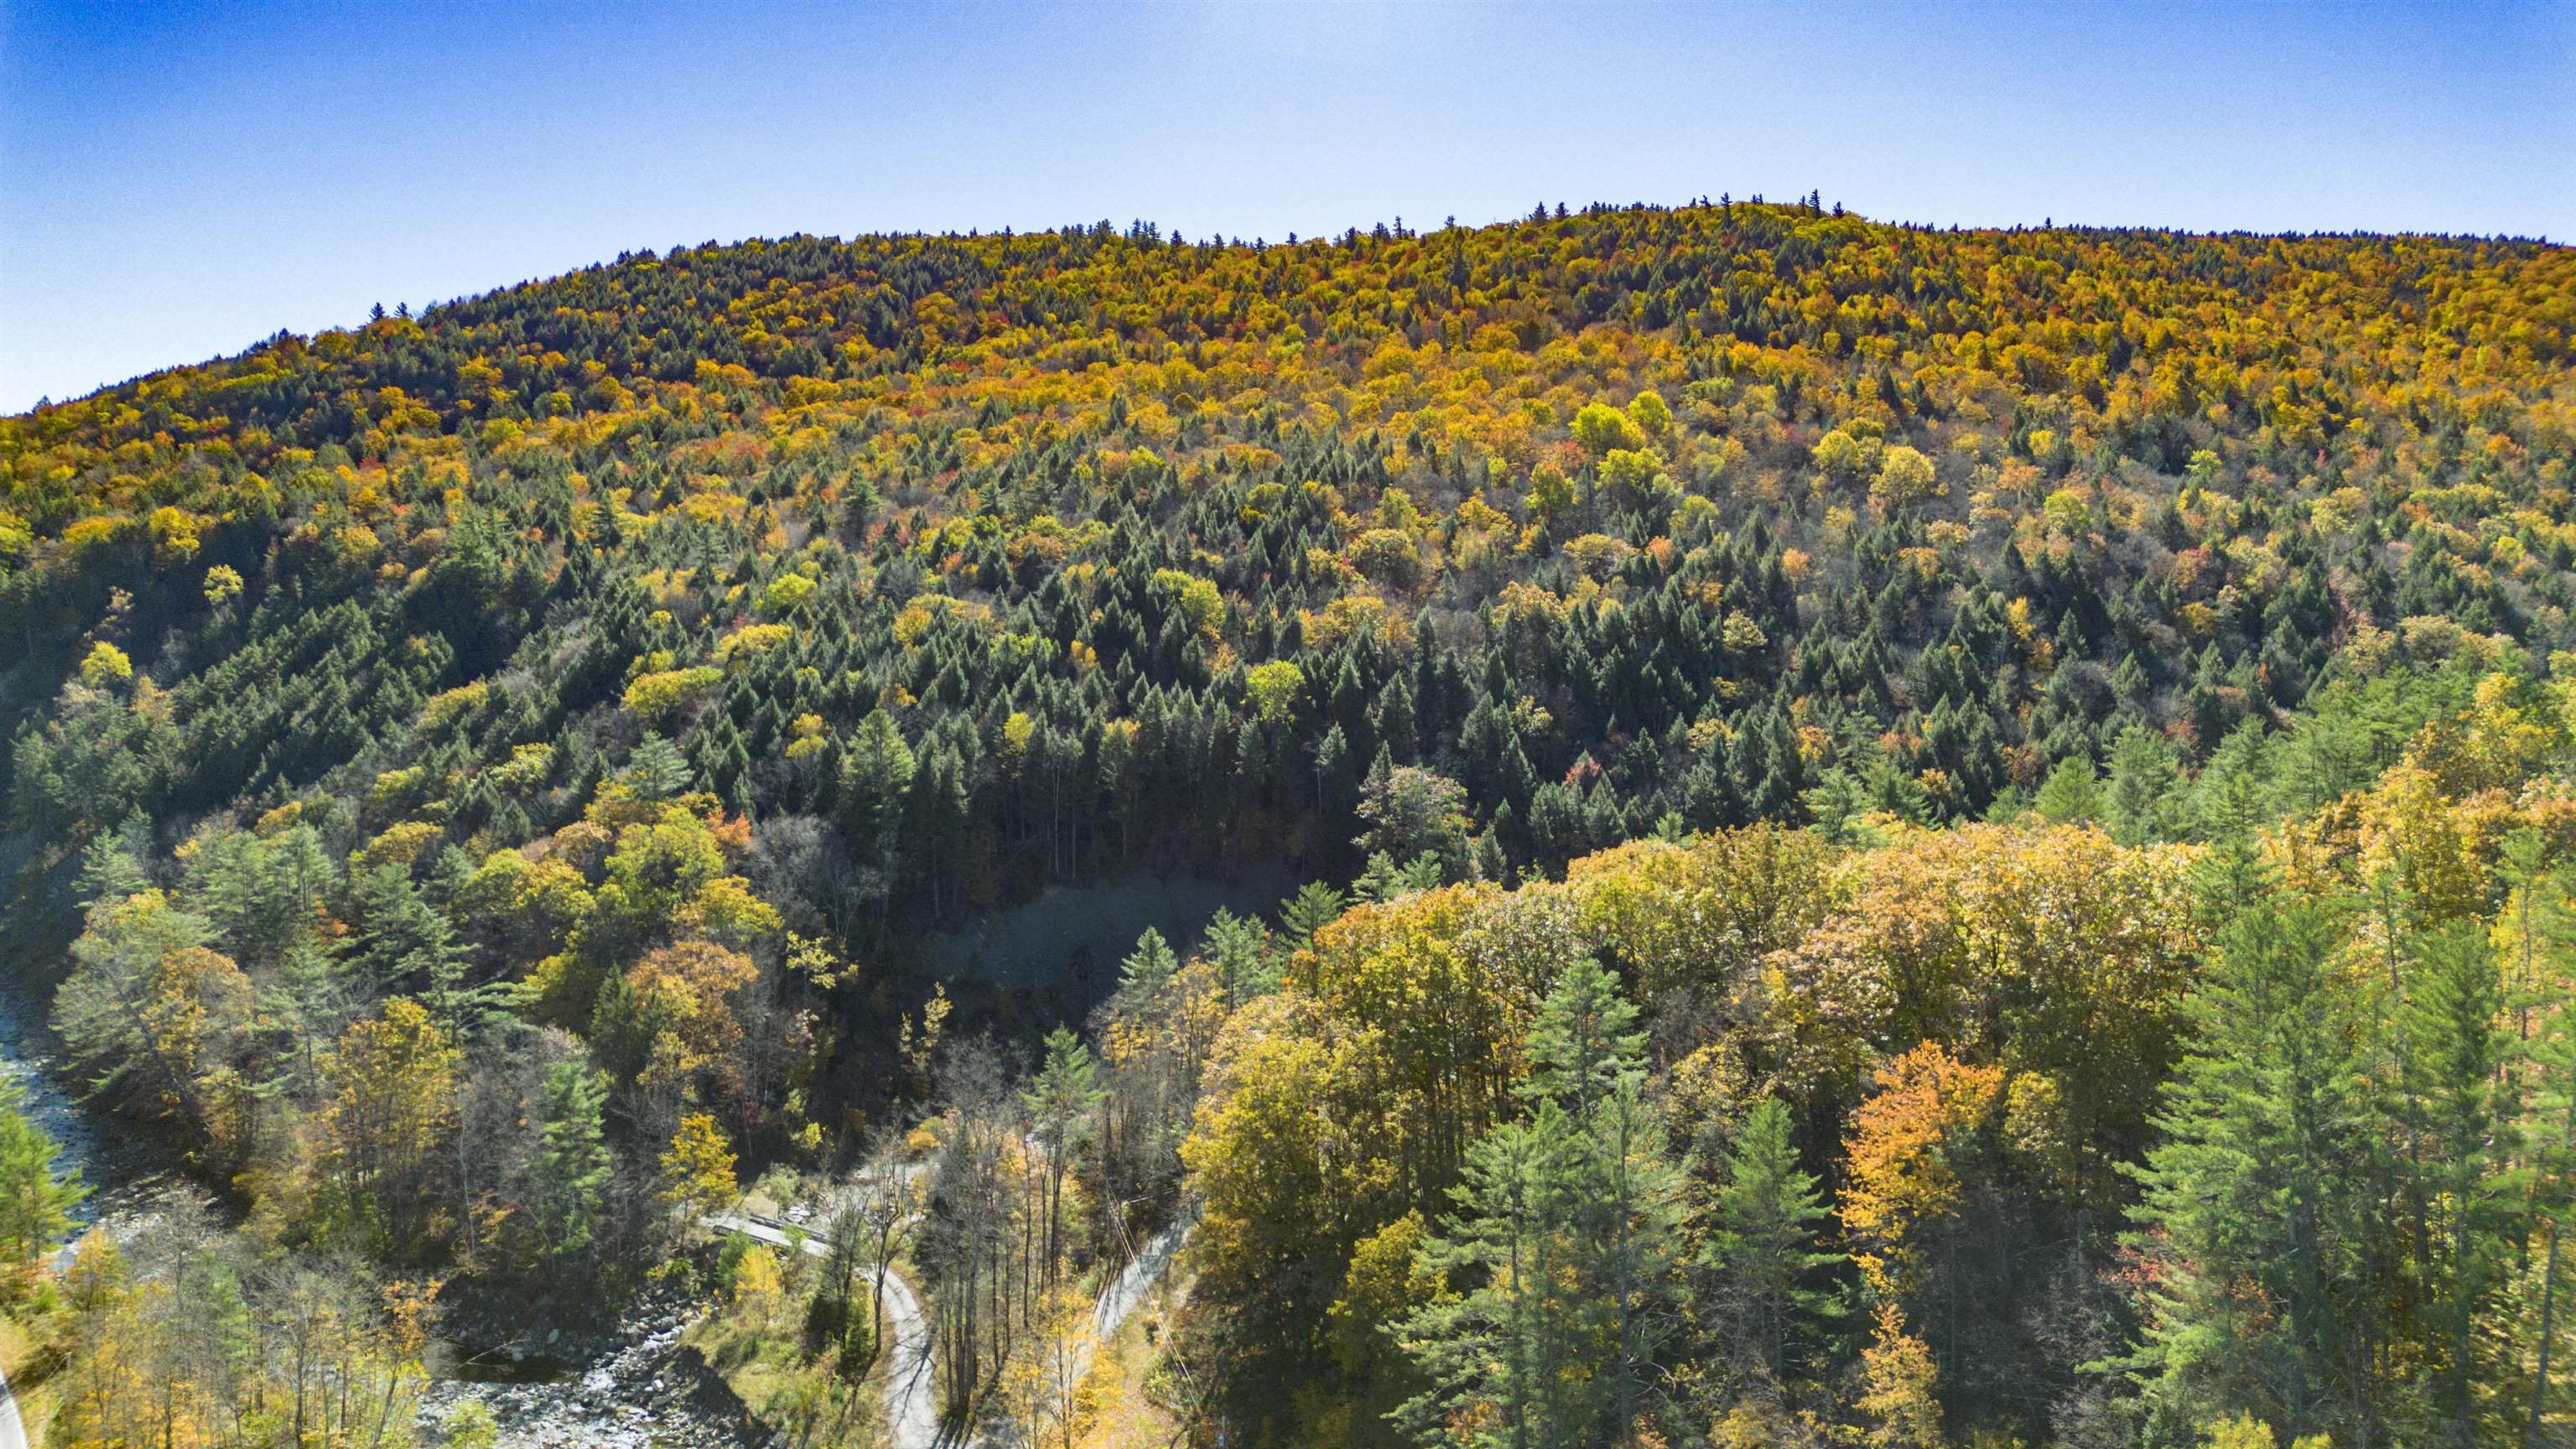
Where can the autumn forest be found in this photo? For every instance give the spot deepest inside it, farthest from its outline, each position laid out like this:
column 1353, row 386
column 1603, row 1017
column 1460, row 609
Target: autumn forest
column 1895, row 838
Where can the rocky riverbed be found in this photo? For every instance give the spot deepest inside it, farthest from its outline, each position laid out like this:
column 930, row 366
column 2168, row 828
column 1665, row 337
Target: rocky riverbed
column 633, row 1387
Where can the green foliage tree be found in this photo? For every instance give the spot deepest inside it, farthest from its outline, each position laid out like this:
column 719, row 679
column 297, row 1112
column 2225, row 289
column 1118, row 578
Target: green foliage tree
column 1569, row 1230
column 36, row 1199
column 2265, row 1180
column 2071, row 794
column 568, row 1180
column 1761, row 1262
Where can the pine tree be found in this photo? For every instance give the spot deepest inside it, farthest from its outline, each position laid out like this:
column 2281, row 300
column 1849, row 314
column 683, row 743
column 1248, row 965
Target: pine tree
column 2259, row 1211
column 1063, row 1096
column 1300, row 916
column 2141, row 788
column 405, row 943
column 303, row 1006
column 1587, row 1058
column 2455, row 1060
column 112, row 864
column 2072, row 794
column 1496, row 1355
column 1239, row 949
column 1836, row 802
column 2234, row 788
column 569, row 1177
column 876, row 778
column 1761, row 1257
column 1142, row 975
column 657, row 770
column 2549, row 1129
column 1566, row 1239
column 35, row 1201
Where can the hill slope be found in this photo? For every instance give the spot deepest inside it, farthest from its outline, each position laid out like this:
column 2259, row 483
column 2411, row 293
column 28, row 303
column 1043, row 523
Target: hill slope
column 489, row 773
column 1122, row 530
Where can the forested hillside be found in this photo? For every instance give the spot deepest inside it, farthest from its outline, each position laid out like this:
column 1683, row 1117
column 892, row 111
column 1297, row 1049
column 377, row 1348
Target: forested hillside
column 1920, row 836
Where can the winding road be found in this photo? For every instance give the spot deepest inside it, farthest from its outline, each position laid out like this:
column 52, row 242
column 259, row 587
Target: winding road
column 912, row 1413
column 13, row 1430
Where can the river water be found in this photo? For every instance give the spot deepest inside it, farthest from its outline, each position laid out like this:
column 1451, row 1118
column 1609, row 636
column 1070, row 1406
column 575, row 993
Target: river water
column 632, row 1392
column 115, row 1161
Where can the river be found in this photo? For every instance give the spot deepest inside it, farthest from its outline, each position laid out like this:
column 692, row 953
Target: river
column 127, row 1186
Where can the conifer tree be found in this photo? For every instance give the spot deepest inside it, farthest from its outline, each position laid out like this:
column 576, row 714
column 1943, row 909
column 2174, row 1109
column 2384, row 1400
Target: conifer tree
column 657, row 770
column 1063, row 1096
column 1762, row 1259
column 2072, row 793
column 1496, row 1354
column 1145, row 970
column 2456, row 1058
column 569, row 1177
column 1570, row 1221
column 2140, row 792
column 1239, row 949
column 1301, row 915
column 2258, row 1212
column 404, row 942
column 35, row 1200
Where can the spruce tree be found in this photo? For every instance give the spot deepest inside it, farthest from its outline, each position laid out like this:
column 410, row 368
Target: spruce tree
column 1761, row 1259
column 2455, row 1060
column 2259, row 1212
column 35, row 1200
column 568, row 1180
column 2072, row 793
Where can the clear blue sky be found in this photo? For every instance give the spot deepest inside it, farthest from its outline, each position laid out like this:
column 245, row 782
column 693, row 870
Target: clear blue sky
column 178, row 181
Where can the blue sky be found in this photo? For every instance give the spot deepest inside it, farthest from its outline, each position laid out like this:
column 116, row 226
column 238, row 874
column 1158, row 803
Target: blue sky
column 178, row 181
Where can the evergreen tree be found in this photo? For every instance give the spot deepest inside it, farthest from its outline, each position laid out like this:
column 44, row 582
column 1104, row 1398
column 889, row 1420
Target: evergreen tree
column 1836, row 802
column 1301, row 915
column 303, row 1006
column 1142, row 975
column 2234, row 787
column 1571, row 1221
column 1239, row 949
column 2258, row 1211
column 657, row 770
column 1498, row 1354
column 260, row 894
column 2456, row 1058
column 2142, row 787
column 2072, row 794
column 1761, row 1258
column 568, row 1181
column 35, row 1200
column 404, row 943
column 112, row 863
column 2549, row 1130
column 1060, row 1100
column 876, row 777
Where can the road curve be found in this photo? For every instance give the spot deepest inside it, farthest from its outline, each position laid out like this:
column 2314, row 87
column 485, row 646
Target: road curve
column 13, row 1430
column 912, row 1409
